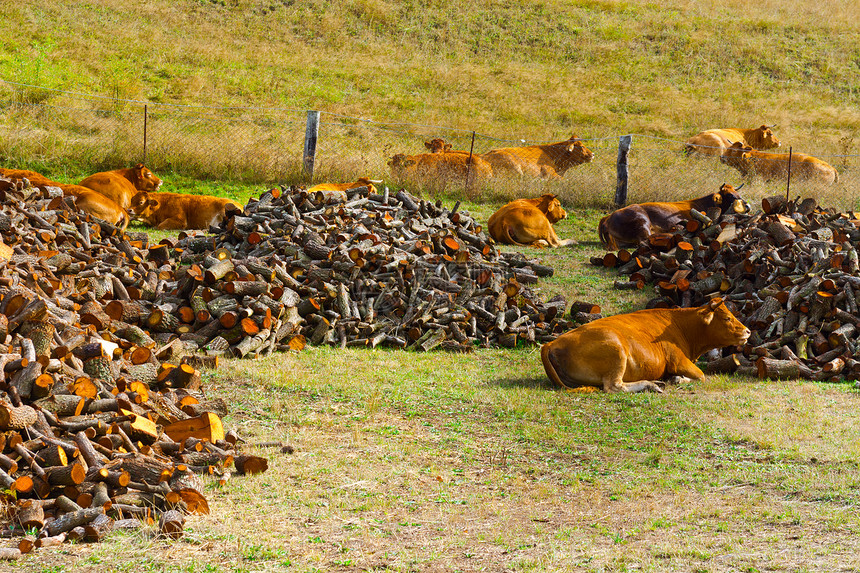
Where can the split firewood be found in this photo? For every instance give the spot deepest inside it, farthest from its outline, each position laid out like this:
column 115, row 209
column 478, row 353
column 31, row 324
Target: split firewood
column 789, row 272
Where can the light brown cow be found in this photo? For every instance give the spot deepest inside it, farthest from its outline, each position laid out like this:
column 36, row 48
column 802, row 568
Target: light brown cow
column 437, row 170
column 86, row 199
column 529, row 222
column 715, row 141
column 339, row 190
column 439, row 145
column 546, row 161
column 121, row 185
column 633, row 352
column 771, row 166
column 34, row 178
column 178, row 211
column 634, row 223
column 96, row 204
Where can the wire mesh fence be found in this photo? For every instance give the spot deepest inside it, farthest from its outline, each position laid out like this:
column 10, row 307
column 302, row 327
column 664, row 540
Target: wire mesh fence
column 82, row 133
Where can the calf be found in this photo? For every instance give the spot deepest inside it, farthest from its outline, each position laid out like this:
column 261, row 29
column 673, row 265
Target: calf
column 529, row 222
column 771, row 166
column 121, row 185
column 634, row 223
column 178, row 211
column 632, row 352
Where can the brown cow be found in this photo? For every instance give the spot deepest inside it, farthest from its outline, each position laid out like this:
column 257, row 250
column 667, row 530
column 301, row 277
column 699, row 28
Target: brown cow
column 86, row 199
column 529, row 222
column 770, row 166
column 634, row 223
column 546, row 161
column 438, row 169
column 438, row 145
column 34, row 178
column 715, row 141
column 178, row 211
column 632, row 352
column 121, row 185
column 339, row 189
column 96, row 204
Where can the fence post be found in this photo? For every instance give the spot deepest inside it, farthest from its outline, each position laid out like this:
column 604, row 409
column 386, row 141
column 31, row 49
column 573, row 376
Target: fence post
column 145, row 117
column 621, row 187
column 469, row 161
column 311, row 133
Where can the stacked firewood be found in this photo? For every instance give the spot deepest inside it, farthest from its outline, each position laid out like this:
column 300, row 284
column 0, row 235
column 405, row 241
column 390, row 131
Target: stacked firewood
column 103, row 425
column 789, row 272
column 375, row 269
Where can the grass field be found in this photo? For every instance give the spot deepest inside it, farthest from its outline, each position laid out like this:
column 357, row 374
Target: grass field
column 473, row 462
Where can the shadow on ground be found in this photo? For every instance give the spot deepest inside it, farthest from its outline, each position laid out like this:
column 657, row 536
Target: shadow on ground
column 540, row 382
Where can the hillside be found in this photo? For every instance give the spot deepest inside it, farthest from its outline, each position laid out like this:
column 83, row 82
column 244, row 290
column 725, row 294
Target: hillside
column 510, row 71
column 534, row 68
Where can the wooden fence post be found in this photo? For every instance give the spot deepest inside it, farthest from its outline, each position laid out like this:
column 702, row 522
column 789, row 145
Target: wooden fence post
column 145, row 117
column 621, row 187
column 311, row 134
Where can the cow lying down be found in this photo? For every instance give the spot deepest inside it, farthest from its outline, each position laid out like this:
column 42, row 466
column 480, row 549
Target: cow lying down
column 180, row 211
column 529, row 222
column 634, row 223
column 633, row 352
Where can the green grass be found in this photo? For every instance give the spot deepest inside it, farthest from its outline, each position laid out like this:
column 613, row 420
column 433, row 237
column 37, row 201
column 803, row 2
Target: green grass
column 536, row 70
column 430, row 462
column 437, row 461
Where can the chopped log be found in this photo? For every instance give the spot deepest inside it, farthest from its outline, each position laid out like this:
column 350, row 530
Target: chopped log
column 250, row 464
column 171, row 524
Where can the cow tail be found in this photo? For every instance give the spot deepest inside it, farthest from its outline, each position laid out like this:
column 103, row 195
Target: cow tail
column 605, row 236
column 507, row 238
column 549, row 367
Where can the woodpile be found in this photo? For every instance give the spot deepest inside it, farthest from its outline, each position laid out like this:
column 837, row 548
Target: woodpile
column 103, row 424
column 373, row 269
column 103, row 421
column 789, row 272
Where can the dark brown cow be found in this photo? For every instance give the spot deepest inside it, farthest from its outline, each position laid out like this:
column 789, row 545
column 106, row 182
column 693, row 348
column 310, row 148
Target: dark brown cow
column 634, row 223
column 633, row 352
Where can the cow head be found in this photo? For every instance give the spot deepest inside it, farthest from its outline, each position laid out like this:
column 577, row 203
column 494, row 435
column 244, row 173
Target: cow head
column 739, row 156
column 143, row 206
column 763, row 138
column 575, row 154
column 369, row 183
column 400, row 162
column 437, row 145
column 729, row 198
column 550, row 206
column 144, row 179
column 720, row 327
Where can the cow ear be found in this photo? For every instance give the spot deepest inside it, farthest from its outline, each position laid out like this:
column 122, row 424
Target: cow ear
column 139, row 166
column 152, row 203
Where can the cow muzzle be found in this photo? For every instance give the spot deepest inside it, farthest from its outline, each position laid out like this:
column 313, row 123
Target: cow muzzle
column 741, row 206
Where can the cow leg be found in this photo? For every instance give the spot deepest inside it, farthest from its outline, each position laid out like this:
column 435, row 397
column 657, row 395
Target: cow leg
column 172, row 224
column 555, row 242
column 641, row 386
